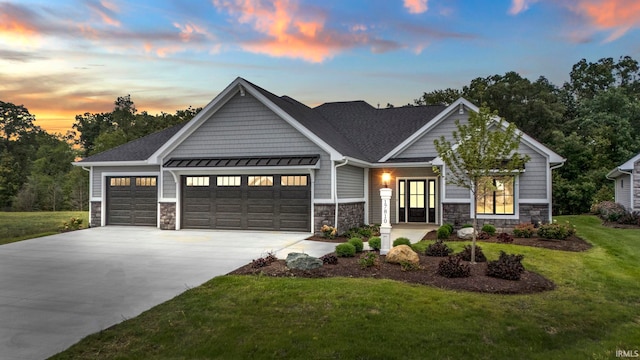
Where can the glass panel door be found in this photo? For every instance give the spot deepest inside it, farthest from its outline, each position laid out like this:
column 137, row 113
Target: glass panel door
column 416, row 196
column 402, row 210
column 432, row 201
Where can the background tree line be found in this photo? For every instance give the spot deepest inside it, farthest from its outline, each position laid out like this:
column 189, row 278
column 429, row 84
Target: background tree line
column 35, row 166
column 593, row 120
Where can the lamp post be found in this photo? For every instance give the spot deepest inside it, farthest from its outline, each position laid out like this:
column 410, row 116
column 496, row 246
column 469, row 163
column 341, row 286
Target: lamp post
column 385, row 226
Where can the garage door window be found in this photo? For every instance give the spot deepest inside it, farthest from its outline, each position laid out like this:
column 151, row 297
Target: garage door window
column 197, row 181
column 260, row 180
column 146, row 181
column 293, row 180
column 124, row 181
column 227, row 181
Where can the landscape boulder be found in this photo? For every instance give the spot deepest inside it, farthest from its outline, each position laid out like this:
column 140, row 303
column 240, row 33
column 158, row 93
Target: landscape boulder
column 302, row 261
column 402, row 253
column 465, row 233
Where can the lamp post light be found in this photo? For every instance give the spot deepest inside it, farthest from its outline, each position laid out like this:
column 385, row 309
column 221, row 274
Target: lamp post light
column 385, row 226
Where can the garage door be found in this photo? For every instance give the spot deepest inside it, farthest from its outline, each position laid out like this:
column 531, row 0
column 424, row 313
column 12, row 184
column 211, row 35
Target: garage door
column 247, row 202
column 132, row 200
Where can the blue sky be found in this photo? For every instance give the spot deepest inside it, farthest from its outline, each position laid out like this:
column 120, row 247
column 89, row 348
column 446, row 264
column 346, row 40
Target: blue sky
column 69, row 57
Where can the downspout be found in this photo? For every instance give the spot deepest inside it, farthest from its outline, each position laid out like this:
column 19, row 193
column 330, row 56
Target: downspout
column 335, row 190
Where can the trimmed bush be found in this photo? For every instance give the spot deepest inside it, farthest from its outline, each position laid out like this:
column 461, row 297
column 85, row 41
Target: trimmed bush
column 357, row 243
column 401, row 241
column 443, row 232
column 465, row 254
column 556, row 231
column 448, row 226
column 452, row 268
column 438, row 249
column 375, row 243
column 366, row 232
column 329, row 259
column 505, row 238
column 524, row 230
column 489, row 229
column 345, row 250
column 508, row 266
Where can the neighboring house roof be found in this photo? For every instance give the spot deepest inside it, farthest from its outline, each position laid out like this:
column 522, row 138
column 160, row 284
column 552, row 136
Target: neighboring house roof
column 352, row 129
column 137, row 150
column 625, row 168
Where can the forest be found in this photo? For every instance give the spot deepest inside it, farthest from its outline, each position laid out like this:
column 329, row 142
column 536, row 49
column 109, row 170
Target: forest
column 593, row 120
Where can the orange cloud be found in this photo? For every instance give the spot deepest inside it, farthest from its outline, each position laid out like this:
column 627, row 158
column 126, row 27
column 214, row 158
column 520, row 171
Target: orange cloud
column 17, row 25
column 617, row 15
column 416, row 6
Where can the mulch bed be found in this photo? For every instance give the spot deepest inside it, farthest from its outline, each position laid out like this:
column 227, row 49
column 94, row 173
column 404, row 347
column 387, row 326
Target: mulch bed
column 530, row 282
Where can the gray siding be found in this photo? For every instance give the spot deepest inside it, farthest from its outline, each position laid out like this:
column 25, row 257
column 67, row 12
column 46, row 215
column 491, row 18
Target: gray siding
column 168, row 186
column 350, row 182
column 125, row 170
column 636, row 186
column 533, row 182
column 456, row 192
column 375, row 183
column 424, row 147
column 246, row 127
column 623, row 190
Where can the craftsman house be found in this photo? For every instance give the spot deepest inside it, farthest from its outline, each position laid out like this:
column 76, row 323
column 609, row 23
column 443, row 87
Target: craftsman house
column 254, row 160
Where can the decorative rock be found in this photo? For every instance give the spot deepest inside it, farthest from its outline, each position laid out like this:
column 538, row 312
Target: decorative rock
column 402, row 253
column 465, row 233
column 302, row 261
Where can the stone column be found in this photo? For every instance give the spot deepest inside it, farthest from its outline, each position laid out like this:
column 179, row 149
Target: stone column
column 385, row 227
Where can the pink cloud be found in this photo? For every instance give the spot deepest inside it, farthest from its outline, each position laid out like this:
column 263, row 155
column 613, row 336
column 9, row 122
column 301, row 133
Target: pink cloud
column 619, row 16
column 518, row 6
column 105, row 10
column 416, row 6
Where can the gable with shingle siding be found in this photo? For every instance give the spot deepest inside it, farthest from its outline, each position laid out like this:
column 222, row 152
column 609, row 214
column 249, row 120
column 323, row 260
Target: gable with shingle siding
column 246, row 127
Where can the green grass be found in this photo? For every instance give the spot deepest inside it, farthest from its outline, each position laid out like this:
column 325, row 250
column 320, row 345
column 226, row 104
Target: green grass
column 17, row 226
column 594, row 311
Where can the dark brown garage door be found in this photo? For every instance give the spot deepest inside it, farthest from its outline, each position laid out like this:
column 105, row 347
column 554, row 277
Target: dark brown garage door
column 132, row 200
column 260, row 202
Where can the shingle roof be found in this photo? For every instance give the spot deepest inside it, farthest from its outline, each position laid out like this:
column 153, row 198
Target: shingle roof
column 137, row 150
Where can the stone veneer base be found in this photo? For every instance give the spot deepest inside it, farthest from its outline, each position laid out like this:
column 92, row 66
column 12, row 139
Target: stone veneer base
column 350, row 215
column 459, row 214
column 167, row 216
column 96, row 214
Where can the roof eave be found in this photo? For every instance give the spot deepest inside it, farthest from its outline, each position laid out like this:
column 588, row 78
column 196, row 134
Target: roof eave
column 113, row 163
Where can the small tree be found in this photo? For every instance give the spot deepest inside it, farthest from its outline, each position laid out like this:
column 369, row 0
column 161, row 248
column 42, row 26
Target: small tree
column 483, row 149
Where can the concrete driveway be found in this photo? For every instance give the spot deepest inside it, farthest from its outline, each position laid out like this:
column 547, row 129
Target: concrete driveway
column 58, row 289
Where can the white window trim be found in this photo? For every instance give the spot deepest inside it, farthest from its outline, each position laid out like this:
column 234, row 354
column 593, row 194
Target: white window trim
column 516, row 204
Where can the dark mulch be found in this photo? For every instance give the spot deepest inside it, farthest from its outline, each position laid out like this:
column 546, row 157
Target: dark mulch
column 530, row 282
column 572, row 243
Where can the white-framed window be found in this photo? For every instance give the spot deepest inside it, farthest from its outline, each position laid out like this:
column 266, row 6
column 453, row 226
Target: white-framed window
column 120, row 181
column 145, row 181
column 496, row 196
column 228, row 180
column 295, row 180
column 260, row 180
column 197, row 181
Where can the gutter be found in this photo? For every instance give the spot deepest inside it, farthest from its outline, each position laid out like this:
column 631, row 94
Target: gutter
column 335, row 187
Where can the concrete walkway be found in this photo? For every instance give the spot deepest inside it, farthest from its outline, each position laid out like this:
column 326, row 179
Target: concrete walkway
column 58, row 289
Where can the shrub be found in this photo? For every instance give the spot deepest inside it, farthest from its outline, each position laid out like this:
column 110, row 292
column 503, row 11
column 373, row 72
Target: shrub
column 483, row 235
column 630, row 218
column 465, row 254
column 408, row 266
column 438, row 249
column 329, row 232
column 524, row 230
column 263, row 261
column 365, row 232
column 368, row 260
column 448, row 226
column 452, row 268
column 505, row 238
column 401, row 241
column 443, row 232
column 489, row 229
column 508, row 267
column 71, row 225
column 609, row 211
column 352, row 233
column 556, row 231
column 357, row 243
column 375, row 243
column 375, row 229
column 329, row 259
column 345, row 250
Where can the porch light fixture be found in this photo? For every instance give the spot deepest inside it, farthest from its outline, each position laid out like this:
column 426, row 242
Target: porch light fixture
column 386, row 178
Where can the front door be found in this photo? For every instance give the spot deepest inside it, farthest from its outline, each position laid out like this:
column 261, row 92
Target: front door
column 417, row 200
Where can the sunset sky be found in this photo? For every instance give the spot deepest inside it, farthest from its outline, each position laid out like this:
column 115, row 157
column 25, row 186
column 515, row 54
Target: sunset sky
column 66, row 57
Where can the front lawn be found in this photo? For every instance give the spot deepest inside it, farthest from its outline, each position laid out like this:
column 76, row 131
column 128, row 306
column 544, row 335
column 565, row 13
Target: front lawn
column 16, row 226
column 593, row 312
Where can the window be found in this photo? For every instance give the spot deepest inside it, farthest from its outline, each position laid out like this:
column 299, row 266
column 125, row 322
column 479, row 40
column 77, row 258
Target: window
column 622, row 183
column 145, row 181
column 260, row 180
column 298, row 180
column 197, row 181
column 496, row 196
column 228, row 180
column 120, row 181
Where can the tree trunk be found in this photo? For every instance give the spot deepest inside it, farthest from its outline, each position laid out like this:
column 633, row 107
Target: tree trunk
column 475, row 225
